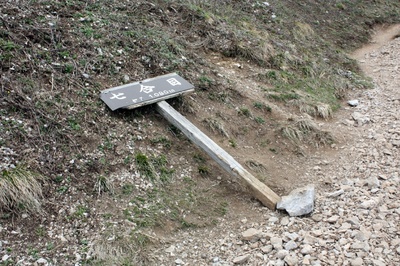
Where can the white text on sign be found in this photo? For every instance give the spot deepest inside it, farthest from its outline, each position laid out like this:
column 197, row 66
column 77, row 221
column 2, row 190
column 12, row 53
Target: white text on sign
column 155, row 95
column 119, row 96
column 174, row 82
column 146, row 89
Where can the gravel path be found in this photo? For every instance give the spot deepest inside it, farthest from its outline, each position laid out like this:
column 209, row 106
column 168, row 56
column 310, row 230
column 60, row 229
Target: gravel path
column 356, row 217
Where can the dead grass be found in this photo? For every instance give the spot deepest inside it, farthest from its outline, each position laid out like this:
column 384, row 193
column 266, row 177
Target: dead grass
column 116, row 252
column 303, row 31
column 216, row 126
column 320, row 110
column 324, row 110
column 305, row 130
column 103, row 184
column 20, row 190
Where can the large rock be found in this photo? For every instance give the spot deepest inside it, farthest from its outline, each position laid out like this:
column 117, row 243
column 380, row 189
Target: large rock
column 299, row 202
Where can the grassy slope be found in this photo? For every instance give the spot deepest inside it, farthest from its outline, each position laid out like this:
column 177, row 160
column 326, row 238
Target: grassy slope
column 56, row 57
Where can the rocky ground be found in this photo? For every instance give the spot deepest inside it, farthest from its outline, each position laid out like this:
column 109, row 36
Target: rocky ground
column 357, row 208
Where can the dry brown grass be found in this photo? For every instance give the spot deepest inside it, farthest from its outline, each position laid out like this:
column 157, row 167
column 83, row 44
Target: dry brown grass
column 20, row 190
column 303, row 31
column 216, row 126
column 103, row 184
column 109, row 252
column 324, row 110
column 305, row 130
column 321, row 110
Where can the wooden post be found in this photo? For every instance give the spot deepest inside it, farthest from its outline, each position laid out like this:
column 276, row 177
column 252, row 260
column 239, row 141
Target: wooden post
column 260, row 190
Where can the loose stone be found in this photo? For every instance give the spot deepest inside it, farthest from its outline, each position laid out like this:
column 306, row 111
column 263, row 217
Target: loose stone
column 266, row 249
column 357, row 262
column 241, row 259
column 251, row 234
column 290, row 245
column 353, row 103
column 179, row 262
column 291, row 260
column 276, row 242
column 285, row 221
column 282, row 254
column 307, row 249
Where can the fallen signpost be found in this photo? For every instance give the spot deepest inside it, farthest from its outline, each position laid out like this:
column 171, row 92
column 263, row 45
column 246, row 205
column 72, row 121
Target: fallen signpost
column 157, row 90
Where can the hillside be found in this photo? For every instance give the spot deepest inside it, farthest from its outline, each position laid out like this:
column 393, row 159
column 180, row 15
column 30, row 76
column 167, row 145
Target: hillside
column 82, row 184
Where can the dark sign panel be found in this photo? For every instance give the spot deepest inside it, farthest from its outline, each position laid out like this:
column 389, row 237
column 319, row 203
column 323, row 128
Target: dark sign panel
column 145, row 92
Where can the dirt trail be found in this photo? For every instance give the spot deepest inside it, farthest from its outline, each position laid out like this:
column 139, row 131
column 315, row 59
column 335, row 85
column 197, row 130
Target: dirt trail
column 355, row 221
column 381, row 36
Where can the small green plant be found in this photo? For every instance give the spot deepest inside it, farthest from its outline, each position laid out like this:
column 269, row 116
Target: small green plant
column 127, row 160
column 271, row 75
column 62, row 189
column 262, row 106
column 232, row 143
column 73, row 123
column 341, row 6
column 63, row 54
column 127, row 189
column 88, row 31
column 7, row 45
column 162, row 140
column 50, row 246
column 205, row 82
column 160, row 165
column 142, row 240
column 33, row 252
column 68, row 68
column 106, row 145
column 244, row 111
column 58, row 179
column 258, row 105
column 259, row 120
column 199, row 158
column 265, row 143
column 81, row 212
column 222, row 208
column 144, row 166
column 40, row 231
column 203, row 170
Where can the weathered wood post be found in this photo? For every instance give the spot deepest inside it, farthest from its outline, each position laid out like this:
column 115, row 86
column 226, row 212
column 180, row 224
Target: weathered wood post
column 156, row 90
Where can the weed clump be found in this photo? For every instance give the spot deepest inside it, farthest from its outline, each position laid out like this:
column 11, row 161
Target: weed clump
column 305, row 130
column 217, row 126
column 20, row 190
